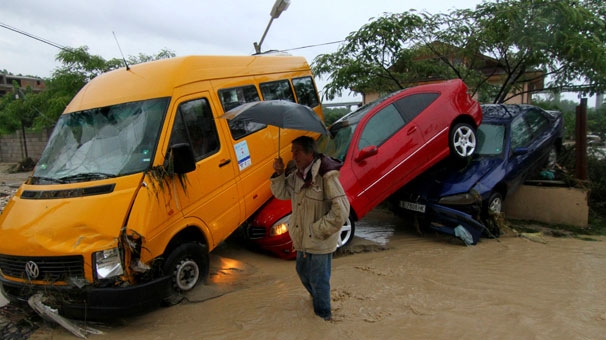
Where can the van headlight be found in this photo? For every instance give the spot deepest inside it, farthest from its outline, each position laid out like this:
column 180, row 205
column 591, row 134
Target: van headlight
column 280, row 227
column 107, row 263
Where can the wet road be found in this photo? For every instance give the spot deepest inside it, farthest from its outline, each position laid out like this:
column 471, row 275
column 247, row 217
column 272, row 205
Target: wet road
column 393, row 283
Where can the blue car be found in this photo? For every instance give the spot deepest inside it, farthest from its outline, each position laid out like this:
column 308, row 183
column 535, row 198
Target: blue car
column 514, row 143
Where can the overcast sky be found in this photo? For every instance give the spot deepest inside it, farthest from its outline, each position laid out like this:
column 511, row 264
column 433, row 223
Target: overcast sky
column 208, row 27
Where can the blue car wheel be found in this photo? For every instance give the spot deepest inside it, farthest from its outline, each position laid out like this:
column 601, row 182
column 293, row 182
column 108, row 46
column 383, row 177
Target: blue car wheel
column 492, row 211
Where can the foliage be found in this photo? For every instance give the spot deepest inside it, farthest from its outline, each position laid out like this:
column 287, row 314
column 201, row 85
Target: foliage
column 596, row 118
column 332, row 114
column 41, row 110
column 596, row 121
column 514, row 39
column 161, row 175
column 596, row 166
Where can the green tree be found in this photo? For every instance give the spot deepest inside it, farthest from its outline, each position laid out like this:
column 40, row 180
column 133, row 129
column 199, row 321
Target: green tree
column 331, row 115
column 563, row 40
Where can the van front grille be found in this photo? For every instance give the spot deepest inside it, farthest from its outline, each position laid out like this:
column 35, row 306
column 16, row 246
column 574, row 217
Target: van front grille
column 53, row 269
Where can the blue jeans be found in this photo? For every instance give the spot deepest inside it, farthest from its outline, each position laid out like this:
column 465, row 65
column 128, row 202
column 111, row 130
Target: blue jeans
column 314, row 272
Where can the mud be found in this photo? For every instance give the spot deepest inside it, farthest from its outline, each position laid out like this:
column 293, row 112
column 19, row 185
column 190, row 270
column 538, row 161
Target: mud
column 392, row 283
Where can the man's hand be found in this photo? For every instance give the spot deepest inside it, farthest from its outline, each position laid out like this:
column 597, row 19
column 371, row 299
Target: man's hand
column 279, row 165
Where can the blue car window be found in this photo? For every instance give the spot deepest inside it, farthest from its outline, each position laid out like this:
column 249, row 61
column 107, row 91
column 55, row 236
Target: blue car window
column 381, row 126
column 537, row 122
column 520, row 133
column 491, row 138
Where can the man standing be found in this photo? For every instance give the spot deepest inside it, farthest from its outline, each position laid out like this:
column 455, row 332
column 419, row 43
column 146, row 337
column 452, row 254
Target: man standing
column 319, row 209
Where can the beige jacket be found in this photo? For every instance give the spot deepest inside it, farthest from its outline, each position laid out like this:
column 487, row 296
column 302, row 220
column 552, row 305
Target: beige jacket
column 319, row 208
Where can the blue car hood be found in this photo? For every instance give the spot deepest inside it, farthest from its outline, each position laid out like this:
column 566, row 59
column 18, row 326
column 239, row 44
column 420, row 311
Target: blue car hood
column 445, row 181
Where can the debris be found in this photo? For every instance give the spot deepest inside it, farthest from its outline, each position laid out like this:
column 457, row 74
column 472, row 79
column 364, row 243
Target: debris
column 535, row 237
column 463, row 234
column 35, row 301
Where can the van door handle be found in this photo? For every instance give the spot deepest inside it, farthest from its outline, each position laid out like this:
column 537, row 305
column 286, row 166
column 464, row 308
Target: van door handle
column 411, row 130
column 224, row 162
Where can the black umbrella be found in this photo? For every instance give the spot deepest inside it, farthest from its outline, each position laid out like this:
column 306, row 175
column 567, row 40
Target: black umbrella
column 281, row 113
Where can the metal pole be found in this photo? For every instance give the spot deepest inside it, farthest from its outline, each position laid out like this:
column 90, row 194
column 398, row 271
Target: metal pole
column 581, row 140
column 24, row 140
column 258, row 46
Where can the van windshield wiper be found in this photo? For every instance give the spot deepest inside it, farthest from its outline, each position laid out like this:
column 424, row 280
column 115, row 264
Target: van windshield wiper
column 38, row 179
column 86, row 176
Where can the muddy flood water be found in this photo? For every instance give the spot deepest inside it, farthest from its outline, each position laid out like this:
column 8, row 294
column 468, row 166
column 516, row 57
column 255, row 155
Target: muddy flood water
column 394, row 284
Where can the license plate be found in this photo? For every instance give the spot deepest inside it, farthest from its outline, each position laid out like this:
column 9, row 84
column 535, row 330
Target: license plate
column 412, row 206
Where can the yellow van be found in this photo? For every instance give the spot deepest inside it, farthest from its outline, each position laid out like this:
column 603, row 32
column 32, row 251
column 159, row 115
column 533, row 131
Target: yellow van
column 142, row 178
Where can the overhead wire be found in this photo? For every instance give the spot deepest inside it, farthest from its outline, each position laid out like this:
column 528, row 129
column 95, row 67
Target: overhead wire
column 46, row 41
column 61, row 47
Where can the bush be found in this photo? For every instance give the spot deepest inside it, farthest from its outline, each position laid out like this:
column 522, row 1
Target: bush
column 596, row 183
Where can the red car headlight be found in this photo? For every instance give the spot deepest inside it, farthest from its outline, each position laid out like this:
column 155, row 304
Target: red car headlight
column 280, row 227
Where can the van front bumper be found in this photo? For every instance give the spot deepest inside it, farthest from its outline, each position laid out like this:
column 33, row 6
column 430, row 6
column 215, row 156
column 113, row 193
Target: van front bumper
column 93, row 303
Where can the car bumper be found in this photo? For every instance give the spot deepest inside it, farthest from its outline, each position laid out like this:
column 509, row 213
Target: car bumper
column 280, row 246
column 92, row 303
column 445, row 219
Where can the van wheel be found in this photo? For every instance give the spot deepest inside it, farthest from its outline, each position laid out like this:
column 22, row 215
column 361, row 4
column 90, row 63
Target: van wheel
column 187, row 265
column 347, row 233
column 462, row 140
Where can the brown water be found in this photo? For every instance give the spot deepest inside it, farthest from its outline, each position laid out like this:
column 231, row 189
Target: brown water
column 422, row 287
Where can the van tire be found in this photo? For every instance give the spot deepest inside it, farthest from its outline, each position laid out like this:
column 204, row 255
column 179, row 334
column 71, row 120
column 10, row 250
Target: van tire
column 187, row 265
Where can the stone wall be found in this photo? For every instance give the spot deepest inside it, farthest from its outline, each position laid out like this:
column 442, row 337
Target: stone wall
column 12, row 147
column 553, row 205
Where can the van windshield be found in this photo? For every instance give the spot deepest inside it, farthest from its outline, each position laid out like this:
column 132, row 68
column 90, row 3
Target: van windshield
column 103, row 142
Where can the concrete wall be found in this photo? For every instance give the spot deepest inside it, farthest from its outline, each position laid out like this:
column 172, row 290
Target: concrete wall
column 553, row 205
column 12, row 147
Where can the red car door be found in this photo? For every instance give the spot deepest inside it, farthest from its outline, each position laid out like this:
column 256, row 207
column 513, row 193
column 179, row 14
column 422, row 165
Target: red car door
column 384, row 152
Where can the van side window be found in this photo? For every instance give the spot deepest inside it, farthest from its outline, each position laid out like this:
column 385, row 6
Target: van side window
column 306, row 91
column 274, row 90
column 194, row 125
column 236, row 96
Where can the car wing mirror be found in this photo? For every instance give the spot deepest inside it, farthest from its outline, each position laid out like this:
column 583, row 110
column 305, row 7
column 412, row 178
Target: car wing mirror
column 366, row 152
column 183, row 158
column 520, row 151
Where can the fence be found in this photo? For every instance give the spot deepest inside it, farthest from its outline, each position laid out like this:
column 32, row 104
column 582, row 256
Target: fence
column 14, row 148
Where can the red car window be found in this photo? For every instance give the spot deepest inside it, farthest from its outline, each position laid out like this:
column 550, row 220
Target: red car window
column 411, row 106
column 381, row 126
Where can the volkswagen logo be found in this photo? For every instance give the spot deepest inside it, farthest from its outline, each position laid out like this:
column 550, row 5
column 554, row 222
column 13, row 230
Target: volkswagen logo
column 32, row 270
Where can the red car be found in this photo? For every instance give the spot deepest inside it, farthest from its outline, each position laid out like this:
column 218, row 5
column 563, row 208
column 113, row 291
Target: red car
column 383, row 145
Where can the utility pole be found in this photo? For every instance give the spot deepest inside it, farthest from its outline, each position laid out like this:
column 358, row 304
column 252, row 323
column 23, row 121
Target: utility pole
column 279, row 7
column 581, row 140
column 19, row 94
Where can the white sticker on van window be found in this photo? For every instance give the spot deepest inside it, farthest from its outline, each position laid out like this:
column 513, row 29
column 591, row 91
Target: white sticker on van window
column 243, row 155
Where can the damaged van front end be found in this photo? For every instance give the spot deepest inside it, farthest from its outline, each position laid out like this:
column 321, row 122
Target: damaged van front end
column 80, row 267
column 67, row 232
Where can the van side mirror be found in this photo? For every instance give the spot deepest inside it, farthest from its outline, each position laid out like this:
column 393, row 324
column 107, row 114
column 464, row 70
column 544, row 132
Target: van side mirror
column 366, row 152
column 183, row 158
